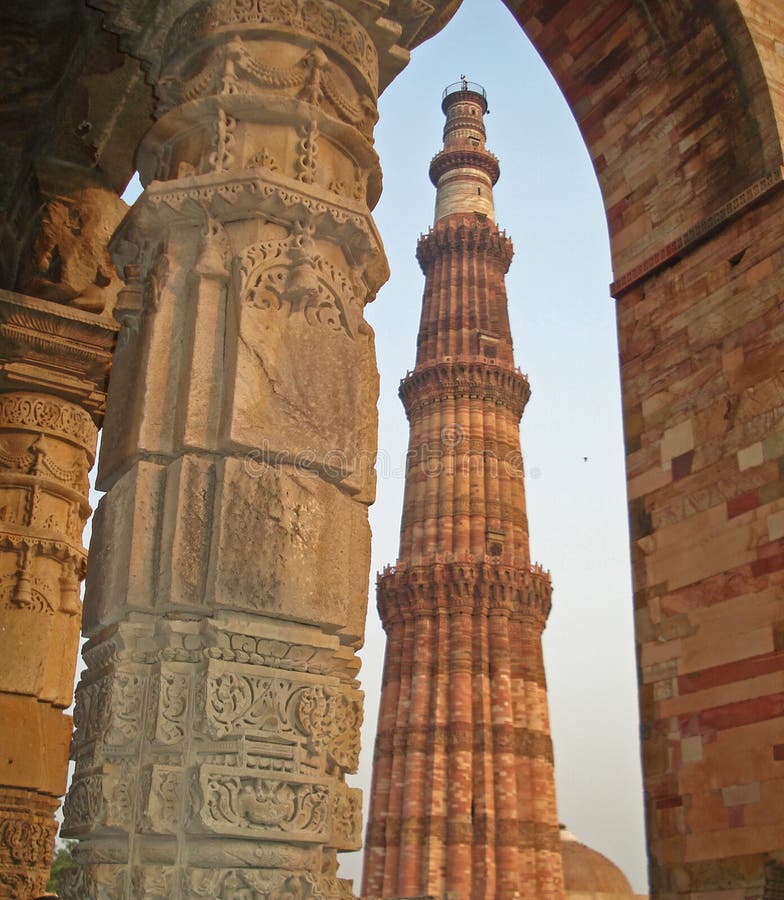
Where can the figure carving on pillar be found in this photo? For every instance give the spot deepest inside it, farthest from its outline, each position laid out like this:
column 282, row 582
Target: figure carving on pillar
column 69, row 260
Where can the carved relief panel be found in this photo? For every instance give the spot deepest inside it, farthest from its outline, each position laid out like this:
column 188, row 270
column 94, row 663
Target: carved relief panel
column 222, row 735
column 304, row 384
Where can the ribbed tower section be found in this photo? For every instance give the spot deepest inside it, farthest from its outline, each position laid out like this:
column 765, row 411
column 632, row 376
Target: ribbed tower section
column 463, row 795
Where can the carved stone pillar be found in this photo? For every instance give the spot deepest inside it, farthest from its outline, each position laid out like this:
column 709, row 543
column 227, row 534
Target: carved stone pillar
column 53, row 372
column 220, row 712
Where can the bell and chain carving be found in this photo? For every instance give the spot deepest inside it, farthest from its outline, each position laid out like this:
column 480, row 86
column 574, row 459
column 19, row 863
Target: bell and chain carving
column 290, row 275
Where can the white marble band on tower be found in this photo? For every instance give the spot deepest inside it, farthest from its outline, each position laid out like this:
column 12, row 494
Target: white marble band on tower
column 464, row 172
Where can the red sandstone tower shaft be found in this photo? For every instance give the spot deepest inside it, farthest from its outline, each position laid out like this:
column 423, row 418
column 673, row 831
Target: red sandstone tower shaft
column 463, row 795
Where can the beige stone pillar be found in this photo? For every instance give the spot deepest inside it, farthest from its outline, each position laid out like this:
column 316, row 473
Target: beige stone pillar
column 53, row 371
column 219, row 713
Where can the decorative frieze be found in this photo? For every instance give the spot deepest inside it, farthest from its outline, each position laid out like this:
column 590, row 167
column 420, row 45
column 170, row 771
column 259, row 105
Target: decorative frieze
column 237, row 458
column 208, row 748
column 455, row 238
column 465, row 377
column 473, row 587
column 326, row 21
column 464, row 158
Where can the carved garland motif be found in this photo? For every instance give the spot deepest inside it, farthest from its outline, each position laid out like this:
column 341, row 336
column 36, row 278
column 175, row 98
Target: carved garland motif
column 311, row 77
column 322, row 18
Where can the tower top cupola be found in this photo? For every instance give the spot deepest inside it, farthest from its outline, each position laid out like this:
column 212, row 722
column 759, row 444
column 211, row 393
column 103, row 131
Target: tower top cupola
column 464, row 172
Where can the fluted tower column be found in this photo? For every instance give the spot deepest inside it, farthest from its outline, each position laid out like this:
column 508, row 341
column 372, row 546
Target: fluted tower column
column 463, row 796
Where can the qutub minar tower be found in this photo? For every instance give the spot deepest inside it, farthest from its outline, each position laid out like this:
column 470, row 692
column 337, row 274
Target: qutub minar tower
column 463, row 795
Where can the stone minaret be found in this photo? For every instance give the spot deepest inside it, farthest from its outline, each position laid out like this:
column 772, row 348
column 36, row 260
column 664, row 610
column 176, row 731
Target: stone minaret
column 463, row 797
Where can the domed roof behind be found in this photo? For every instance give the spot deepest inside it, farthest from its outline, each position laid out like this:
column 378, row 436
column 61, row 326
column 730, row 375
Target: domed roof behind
column 587, row 871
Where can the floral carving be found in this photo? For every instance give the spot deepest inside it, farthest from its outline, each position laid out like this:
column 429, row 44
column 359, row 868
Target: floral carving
column 124, row 714
column 264, row 884
column 100, row 799
column 320, row 718
column 24, row 842
column 243, row 803
column 172, row 706
column 21, row 885
column 165, row 799
column 347, row 818
column 121, row 805
column 238, row 703
column 332, row 719
column 84, row 804
column 91, row 710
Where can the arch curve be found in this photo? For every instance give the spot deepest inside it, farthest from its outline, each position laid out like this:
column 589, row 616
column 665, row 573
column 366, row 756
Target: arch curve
column 673, row 102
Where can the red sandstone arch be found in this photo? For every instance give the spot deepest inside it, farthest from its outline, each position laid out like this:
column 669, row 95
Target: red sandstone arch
column 679, row 103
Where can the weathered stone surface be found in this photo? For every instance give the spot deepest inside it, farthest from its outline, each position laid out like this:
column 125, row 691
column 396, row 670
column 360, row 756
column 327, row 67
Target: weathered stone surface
column 219, row 713
column 70, row 262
